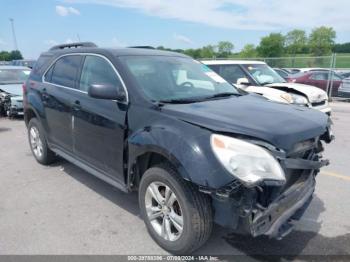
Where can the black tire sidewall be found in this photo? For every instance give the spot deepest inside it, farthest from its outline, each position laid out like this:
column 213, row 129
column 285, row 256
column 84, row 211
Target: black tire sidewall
column 161, row 175
column 44, row 157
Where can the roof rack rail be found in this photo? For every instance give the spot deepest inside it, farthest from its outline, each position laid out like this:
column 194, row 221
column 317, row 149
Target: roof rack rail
column 73, row 45
column 142, row 46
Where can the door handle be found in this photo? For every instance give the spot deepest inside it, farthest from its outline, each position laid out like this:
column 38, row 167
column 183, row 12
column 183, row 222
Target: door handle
column 76, row 106
column 44, row 95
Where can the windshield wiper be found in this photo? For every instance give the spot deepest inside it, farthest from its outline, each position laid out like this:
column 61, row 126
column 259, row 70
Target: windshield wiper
column 266, row 83
column 224, row 94
column 269, row 83
column 197, row 99
column 180, row 101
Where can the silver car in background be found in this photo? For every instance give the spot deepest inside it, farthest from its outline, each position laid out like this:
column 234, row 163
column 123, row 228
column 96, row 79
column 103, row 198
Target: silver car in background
column 344, row 88
column 11, row 94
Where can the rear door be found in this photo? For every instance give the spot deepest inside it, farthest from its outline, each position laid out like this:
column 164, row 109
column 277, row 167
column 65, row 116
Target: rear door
column 99, row 125
column 58, row 92
column 319, row 79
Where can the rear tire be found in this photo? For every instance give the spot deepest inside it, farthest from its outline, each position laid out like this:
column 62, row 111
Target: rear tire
column 38, row 144
column 193, row 210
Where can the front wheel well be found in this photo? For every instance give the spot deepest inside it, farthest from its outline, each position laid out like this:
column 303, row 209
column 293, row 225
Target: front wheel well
column 143, row 163
column 29, row 114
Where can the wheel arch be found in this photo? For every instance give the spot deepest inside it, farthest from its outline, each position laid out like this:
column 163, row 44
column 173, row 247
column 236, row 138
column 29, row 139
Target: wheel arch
column 29, row 114
column 148, row 157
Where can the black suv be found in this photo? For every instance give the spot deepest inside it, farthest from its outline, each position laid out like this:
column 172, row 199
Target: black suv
column 196, row 149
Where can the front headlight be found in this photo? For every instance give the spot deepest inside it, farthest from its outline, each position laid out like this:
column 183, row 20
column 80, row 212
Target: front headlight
column 299, row 100
column 249, row 163
column 287, row 97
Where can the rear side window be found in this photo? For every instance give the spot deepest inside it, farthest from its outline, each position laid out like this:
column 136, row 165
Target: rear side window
column 64, row 71
column 282, row 73
column 40, row 67
column 319, row 76
column 48, row 74
column 97, row 70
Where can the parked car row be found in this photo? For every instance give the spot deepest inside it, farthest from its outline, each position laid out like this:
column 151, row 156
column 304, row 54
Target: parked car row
column 258, row 77
column 11, row 95
column 198, row 149
column 24, row 62
column 322, row 78
column 21, row 62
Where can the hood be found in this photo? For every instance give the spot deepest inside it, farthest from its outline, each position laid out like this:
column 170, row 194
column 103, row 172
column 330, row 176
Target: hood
column 13, row 89
column 281, row 125
column 268, row 92
column 314, row 94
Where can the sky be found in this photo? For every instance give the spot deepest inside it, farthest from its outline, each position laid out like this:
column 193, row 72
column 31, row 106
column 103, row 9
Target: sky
column 40, row 24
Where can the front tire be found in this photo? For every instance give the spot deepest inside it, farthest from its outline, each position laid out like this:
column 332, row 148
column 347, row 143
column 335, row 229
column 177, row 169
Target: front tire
column 38, row 144
column 177, row 216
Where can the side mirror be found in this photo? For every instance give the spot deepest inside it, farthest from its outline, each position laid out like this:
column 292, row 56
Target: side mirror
column 106, row 91
column 243, row 81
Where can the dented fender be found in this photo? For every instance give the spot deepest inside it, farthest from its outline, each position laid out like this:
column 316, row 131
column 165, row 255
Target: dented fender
column 186, row 146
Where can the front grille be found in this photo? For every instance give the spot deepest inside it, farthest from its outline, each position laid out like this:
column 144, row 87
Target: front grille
column 304, row 150
column 322, row 103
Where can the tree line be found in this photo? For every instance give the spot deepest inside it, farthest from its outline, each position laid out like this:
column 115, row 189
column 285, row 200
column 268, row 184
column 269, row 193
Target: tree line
column 320, row 42
column 9, row 56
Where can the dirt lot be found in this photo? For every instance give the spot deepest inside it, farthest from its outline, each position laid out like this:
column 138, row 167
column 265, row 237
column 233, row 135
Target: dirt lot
column 63, row 210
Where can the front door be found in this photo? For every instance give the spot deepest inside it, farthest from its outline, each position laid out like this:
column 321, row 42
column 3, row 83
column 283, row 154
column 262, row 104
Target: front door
column 99, row 125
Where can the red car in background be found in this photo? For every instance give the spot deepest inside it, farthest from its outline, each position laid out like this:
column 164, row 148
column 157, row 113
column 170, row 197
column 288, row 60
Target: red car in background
column 318, row 79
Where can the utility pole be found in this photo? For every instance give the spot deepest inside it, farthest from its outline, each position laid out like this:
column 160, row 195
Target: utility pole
column 13, row 33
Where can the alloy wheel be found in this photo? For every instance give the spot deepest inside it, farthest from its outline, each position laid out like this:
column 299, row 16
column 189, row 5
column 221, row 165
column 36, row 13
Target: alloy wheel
column 35, row 142
column 164, row 211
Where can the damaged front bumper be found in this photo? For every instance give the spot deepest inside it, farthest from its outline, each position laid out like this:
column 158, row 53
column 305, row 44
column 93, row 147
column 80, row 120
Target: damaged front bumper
column 269, row 209
column 277, row 220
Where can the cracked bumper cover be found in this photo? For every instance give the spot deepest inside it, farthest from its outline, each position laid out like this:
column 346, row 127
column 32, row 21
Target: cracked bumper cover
column 277, row 220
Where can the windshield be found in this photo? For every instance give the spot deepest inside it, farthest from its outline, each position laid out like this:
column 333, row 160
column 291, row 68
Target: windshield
column 164, row 78
column 13, row 75
column 263, row 74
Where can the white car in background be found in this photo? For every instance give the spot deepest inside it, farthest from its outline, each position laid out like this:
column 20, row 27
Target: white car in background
column 258, row 77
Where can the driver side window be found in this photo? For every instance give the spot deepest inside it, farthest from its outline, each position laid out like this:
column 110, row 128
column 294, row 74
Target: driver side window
column 96, row 70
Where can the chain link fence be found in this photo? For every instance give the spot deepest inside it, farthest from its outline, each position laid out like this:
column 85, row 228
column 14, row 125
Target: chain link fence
column 300, row 62
column 332, row 70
